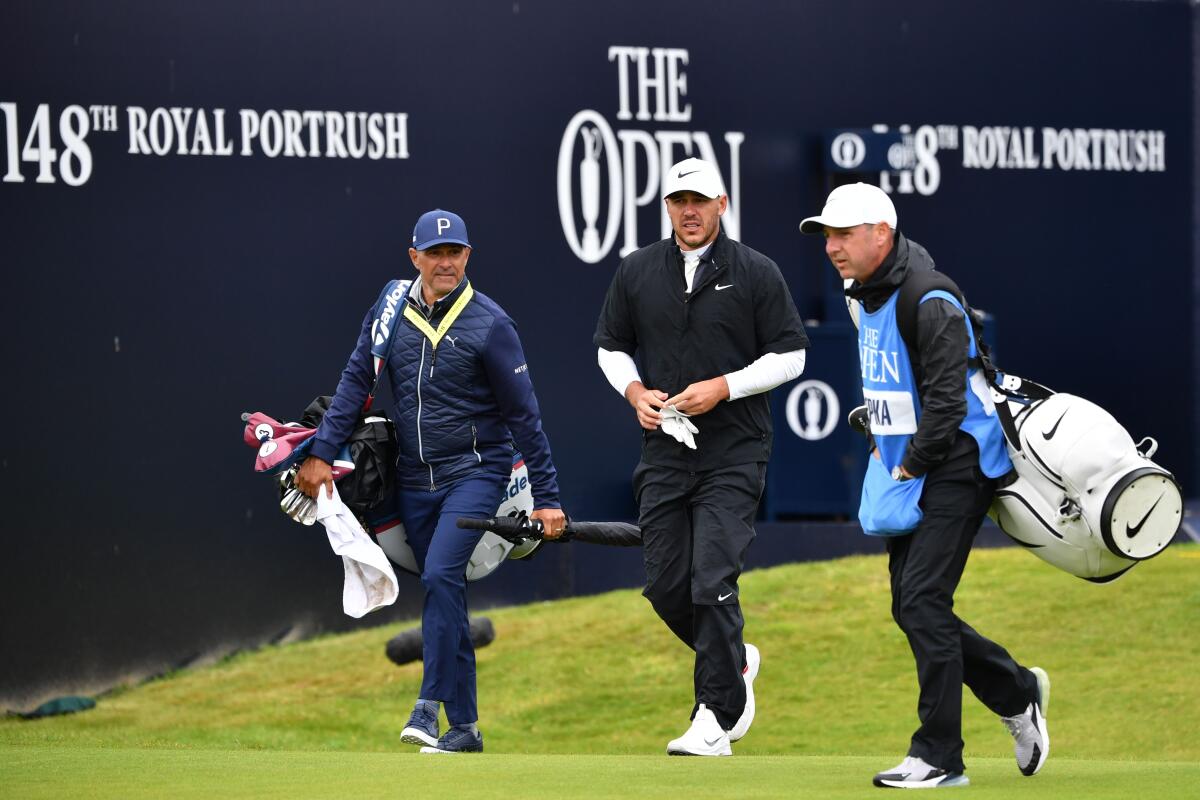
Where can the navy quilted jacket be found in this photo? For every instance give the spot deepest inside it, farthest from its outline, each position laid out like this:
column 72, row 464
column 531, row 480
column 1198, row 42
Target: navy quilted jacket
column 459, row 407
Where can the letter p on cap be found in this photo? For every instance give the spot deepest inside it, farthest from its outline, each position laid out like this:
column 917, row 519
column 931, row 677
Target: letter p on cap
column 443, row 224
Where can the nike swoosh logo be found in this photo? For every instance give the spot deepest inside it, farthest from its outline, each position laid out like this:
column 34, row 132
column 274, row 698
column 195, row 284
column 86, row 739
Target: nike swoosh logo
column 1048, row 435
column 1133, row 530
column 685, row 174
column 714, row 741
column 724, row 597
column 719, row 287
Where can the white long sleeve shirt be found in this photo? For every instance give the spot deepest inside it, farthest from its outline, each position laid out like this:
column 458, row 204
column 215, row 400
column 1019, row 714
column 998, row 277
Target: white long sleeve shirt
column 764, row 374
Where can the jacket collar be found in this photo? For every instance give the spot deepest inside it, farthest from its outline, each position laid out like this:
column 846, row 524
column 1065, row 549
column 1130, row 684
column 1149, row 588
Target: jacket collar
column 719, row 256
column 417, row 299
column 903, row 258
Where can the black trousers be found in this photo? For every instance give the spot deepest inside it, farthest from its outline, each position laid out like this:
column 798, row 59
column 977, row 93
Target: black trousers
column 925, row 568
column 696, row 529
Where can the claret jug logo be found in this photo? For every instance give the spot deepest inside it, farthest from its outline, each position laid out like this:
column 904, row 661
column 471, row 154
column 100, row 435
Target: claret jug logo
column 606, row 176
column 812, row 410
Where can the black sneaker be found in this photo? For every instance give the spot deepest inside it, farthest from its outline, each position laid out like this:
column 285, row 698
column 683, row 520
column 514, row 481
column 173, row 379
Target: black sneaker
column 457, row 740
column 914, row 773
column 422, row 727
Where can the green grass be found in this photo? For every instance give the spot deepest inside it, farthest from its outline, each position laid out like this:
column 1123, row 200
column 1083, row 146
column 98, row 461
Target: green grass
column 568, row 685
column 132, row 774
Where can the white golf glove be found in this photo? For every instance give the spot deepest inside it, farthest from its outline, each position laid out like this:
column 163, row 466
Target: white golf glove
column 676, row 424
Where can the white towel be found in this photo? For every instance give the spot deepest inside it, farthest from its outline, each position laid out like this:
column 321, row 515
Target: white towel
column 370, row 582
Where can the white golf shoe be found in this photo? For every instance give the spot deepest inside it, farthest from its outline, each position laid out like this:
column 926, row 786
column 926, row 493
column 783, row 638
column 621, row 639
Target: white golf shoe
column 749, row 673
column 914, row 773
column 1031, row 739
column 706, row 737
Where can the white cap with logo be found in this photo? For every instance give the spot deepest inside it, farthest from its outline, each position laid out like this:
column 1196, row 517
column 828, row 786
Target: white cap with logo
column 850, row 205
column 693, row 175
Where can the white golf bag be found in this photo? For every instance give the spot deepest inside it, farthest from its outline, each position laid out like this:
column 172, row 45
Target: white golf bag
column 491, row 551
column 1086, row 498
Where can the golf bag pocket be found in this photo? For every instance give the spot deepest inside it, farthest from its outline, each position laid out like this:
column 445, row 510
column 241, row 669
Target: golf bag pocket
column 889, row 507
column 1040, row 519
column 1074, row 443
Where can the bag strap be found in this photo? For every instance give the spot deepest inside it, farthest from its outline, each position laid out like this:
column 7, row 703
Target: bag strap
column 384, row 317
column 926, row 284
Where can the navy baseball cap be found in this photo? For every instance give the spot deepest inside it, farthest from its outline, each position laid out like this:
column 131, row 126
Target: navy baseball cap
column 439, row 227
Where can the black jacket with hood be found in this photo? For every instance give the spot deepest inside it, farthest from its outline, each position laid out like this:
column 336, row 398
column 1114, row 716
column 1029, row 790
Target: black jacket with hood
column 939, row 356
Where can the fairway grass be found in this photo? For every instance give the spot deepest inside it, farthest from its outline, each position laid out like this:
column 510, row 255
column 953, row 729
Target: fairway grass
column 579, row 697
column 133, row 774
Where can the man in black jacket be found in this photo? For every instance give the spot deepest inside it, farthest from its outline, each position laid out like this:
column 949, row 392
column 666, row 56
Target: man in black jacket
column 714, row 328
column 937, row 444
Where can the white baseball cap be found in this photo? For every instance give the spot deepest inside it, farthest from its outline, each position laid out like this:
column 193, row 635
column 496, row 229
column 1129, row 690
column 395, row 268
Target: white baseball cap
column 693, row 175
column 850, row 205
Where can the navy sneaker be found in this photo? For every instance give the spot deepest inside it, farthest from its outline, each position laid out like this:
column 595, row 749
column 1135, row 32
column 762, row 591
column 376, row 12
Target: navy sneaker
column 422, row 727
column 457, row 740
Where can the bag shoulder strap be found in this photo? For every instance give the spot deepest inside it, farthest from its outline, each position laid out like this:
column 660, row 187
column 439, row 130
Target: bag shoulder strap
column 383, row 323
column 912, row 292
column 921, row 286
column 926, row 284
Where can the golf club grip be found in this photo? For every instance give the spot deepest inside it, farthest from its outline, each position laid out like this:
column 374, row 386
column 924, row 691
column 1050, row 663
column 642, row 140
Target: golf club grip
column 504, row 527
column 611, row 534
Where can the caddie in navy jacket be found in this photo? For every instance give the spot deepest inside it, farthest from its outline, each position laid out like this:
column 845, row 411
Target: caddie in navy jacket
column 460, row 405
column 463, row 397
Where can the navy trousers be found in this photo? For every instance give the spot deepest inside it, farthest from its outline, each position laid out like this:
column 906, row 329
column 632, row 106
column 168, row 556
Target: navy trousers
column 442, row 550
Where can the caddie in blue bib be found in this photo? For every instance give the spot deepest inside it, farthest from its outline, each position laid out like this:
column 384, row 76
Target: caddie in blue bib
column 890, row 503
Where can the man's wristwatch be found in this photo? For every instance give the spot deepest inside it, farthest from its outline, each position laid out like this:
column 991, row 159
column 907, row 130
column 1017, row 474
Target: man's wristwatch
column 898, row 474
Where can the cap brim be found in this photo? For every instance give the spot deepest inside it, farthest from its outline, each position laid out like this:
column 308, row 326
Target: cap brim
column 436, row 242
column 693, row 191
column 818, row 224
column 813, row 225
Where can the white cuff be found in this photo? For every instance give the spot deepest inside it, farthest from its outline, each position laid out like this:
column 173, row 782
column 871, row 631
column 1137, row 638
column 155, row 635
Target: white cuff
column 769, row 371
column 619, row 368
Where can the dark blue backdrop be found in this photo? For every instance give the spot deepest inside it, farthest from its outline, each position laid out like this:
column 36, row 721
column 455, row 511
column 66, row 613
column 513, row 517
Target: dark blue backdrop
column 145, row 308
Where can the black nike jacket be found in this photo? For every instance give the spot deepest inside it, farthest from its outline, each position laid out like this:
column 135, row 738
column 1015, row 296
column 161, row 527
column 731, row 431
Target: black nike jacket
column 739, row 309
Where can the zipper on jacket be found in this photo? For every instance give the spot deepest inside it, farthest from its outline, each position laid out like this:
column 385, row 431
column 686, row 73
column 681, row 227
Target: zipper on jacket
column 475, row 443
column 711, row 277
column 420, row 440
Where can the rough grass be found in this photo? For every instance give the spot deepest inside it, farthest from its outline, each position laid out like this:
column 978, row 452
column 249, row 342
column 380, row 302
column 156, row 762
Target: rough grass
column 600, row 676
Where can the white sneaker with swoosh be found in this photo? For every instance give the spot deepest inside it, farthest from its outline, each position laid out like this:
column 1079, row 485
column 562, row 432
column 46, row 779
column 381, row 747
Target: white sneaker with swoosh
column 704, row 738
column 753, row 660
column 915, row 773
column 1031, row 740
